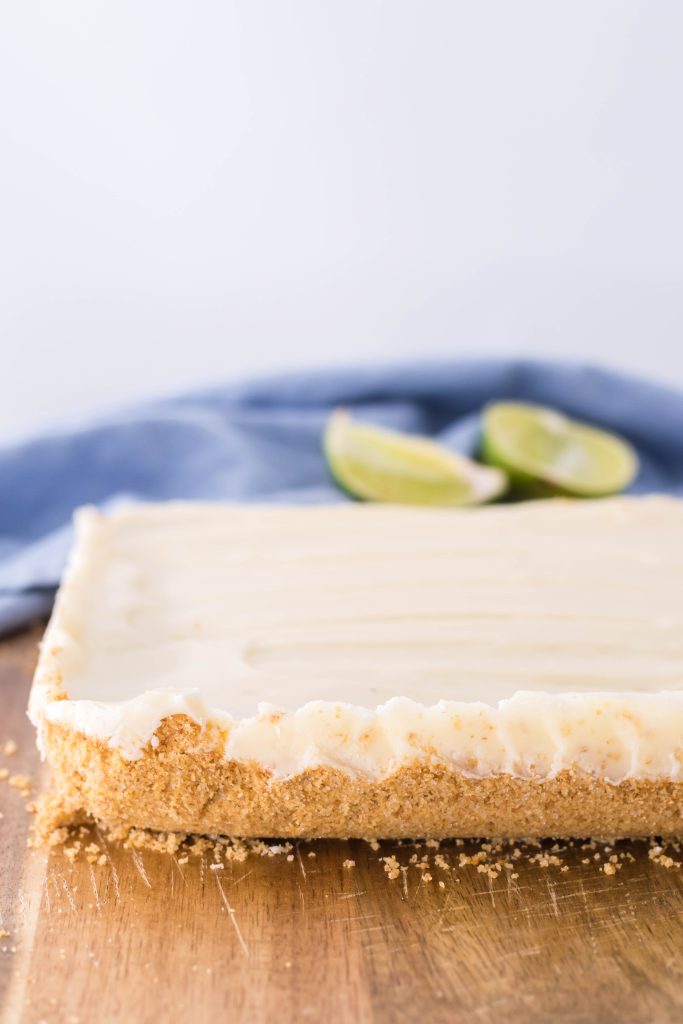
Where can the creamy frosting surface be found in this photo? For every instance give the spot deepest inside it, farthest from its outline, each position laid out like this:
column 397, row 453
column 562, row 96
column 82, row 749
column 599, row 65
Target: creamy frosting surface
column 520, row 638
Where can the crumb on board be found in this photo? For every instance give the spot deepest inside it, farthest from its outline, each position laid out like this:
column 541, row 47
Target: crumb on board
column 656, row 854
column 9, row 748
column 21, row 782
column 391, row 866
column 348, row 863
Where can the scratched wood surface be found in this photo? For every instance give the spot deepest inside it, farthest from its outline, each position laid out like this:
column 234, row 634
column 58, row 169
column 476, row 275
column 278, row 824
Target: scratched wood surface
column 142, row 937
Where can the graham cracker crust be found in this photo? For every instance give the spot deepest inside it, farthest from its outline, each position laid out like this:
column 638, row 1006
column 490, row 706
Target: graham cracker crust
column 185, row 784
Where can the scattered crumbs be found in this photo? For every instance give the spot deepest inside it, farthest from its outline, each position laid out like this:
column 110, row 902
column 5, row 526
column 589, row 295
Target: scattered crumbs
column 442, row 884
column 349, row 863
column 493, row 858
column 311, row 854
column 290, row 857
column 9, row 748
column 4, row 773
column 3, row 933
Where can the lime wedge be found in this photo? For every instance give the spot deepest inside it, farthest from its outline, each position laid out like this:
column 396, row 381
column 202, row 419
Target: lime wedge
column 545, row 453
column 383, row 465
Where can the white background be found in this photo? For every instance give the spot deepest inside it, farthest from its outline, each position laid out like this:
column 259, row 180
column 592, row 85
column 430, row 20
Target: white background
column 194, row 191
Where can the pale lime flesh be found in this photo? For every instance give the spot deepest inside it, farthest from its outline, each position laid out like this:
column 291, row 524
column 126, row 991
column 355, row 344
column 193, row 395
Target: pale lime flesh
column 376, row 464
column 545, row 452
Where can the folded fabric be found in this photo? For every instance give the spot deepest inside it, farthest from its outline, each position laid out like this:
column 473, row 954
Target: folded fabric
column 261, row 442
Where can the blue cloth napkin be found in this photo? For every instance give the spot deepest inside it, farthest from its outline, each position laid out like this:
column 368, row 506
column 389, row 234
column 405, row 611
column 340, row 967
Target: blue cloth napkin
column 261, row 442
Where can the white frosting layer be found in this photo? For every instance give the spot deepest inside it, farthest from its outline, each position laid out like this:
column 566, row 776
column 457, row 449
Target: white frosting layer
column 522, row 639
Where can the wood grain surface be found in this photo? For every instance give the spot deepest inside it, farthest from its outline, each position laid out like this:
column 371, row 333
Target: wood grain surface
column 143, row 938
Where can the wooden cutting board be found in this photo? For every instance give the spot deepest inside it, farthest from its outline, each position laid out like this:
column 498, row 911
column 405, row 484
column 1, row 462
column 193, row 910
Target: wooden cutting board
column 143, row 938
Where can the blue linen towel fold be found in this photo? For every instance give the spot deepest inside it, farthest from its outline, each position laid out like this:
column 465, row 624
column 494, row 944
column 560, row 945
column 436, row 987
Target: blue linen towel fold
column 260, row 441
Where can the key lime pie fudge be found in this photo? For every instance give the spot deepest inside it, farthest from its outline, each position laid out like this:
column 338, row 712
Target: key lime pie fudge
column 359, row 670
